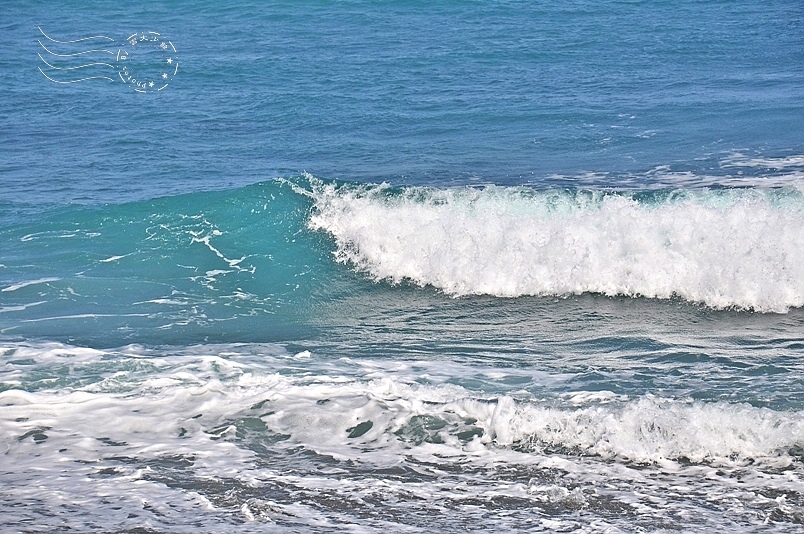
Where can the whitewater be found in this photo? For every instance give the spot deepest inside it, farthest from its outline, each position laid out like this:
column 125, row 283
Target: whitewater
column 500, row 266
column 244, row 437
column 739, row 248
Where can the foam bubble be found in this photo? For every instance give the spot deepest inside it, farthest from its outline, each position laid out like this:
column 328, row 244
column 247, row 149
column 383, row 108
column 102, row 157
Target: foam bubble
column 740, row 248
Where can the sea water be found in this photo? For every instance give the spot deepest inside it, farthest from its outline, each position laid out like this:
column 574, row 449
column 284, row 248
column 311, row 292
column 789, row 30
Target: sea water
column 402, row 266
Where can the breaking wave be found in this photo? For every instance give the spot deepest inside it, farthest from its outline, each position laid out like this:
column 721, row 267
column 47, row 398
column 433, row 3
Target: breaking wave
column 723, row 247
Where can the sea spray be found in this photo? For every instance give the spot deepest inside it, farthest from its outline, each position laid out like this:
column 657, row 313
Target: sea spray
column 726, row 248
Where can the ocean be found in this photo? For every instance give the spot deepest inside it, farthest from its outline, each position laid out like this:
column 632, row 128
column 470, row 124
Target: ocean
column 402, row 266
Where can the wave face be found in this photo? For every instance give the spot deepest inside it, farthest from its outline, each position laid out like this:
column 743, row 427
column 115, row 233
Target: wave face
column 256, row 263
column 725, row 248
column 225, row 264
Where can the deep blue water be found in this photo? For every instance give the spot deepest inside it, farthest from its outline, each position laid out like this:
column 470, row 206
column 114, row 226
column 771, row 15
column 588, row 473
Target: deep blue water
column 393, row 266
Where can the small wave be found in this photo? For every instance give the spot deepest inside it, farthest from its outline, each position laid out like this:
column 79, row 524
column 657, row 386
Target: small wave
column 726, row 248
column 650, row 429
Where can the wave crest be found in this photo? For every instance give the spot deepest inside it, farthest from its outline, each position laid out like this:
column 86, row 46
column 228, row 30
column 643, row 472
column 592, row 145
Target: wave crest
column 726, row 248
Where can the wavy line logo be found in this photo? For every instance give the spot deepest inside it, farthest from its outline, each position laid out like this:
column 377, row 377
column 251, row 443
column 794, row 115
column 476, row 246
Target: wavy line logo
column 146, row 62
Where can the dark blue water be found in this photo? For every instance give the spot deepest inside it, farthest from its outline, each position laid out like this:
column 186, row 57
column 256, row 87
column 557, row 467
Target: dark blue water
column 498, row 92
column 399, row 266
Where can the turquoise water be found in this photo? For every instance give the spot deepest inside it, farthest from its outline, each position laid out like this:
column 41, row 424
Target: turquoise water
column 389, row 266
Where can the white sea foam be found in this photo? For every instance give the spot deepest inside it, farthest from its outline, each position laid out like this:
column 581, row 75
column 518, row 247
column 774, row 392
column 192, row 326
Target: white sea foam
column 740, row 248
column 6, row 309
column 211, row 435
column 645, row 430
column 651, row 429
column 20, row 285
column 113, row 258
column 739, row 159
column 147, row 399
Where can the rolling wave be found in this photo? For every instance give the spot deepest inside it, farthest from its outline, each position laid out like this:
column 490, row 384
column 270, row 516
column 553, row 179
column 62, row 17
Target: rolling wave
column 725, row 248
column 252, row 261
